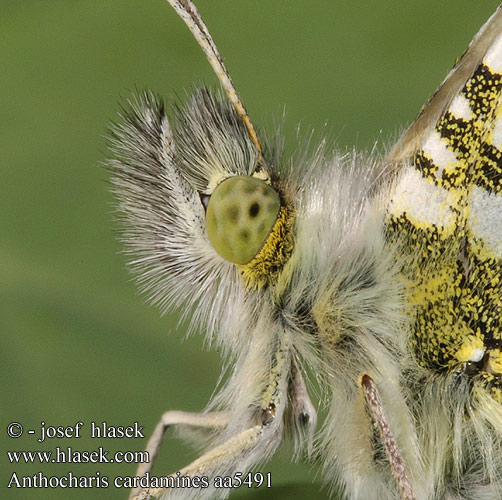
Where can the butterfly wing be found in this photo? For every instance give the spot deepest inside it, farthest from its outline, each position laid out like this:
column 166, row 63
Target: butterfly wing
column 445, row 215
column 447, row 207
column 412, row 139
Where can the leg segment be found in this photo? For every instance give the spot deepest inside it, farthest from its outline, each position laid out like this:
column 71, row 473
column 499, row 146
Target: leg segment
column 243, row 448
column 214, row 420
column 377, row 412
column 233, row 447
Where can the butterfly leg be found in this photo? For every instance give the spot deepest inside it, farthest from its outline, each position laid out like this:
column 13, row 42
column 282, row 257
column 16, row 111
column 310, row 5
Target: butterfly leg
column 219, row 455
column 213, row 420
column 379, row 418
column 242, row 448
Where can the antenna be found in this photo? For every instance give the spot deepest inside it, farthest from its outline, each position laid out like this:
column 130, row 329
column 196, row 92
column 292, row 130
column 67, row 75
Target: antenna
column 189, row 13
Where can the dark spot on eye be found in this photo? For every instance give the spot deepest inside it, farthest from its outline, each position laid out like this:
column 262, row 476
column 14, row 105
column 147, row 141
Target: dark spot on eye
column 254, row 209
column 244, row 234
column 233, row 213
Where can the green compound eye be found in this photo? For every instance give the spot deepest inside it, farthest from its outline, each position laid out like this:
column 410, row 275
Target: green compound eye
column 240, row 215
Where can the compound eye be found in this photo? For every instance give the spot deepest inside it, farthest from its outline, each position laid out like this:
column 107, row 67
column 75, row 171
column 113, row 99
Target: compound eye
column 240, row 215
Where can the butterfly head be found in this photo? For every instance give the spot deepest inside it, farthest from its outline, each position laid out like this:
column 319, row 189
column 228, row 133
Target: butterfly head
column 248, row 220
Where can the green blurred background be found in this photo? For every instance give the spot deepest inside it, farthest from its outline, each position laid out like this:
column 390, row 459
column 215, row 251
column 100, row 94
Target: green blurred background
column 76, row 340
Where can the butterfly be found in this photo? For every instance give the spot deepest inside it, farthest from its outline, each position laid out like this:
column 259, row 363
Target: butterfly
column 378, row 277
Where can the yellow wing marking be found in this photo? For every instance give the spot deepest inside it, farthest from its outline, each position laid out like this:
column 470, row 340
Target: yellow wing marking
column 445, row 213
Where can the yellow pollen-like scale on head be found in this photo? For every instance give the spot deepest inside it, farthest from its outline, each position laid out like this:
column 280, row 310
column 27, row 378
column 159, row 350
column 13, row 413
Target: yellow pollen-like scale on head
column 277, row 249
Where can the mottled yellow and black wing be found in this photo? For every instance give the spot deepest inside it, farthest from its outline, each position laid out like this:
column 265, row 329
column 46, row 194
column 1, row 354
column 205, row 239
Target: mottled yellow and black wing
column 411, row 140
column 445, row 211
